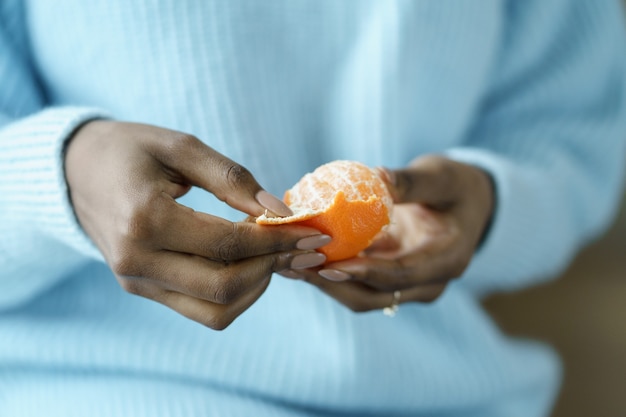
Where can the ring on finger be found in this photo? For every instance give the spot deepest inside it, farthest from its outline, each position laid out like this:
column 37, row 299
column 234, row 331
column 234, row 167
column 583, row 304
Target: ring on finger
column 392, row 309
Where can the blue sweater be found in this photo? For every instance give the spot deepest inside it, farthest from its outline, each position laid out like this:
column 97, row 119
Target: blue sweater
column 531, row 91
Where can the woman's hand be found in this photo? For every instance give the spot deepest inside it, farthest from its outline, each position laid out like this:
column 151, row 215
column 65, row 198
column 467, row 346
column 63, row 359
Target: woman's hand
column 124, row 179
column 441, row 211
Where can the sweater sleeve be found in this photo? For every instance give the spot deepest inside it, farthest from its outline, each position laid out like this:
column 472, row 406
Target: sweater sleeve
column 551, row 133
column 40, row 239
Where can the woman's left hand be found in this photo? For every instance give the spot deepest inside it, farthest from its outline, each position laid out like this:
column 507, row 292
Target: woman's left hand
column 442, row 210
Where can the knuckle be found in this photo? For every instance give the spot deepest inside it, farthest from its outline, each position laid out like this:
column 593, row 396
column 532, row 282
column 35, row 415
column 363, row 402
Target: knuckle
column 229, row 247
column 375, row 276
column 181, row 143
column 177, row 146
column 236, row 174
column 437, row 163
column 444, row 169
column 123, row 262
column 223, row 295
column 281, row 262
column 449, row 175
column 144, row 220
column 226, row 291
column 138, row 227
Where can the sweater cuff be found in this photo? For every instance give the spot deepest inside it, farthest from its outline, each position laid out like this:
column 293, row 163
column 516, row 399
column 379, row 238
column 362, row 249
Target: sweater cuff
column 508, row 245
column 38, row 159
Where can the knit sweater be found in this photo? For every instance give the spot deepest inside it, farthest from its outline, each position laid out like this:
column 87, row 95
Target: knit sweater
column 531, row 91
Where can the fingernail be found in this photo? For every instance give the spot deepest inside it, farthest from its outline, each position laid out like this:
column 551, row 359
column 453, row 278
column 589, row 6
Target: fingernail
column 334, row 275
column 288, row 273
column 313, row 242
column 273, row 204
column 307, row 260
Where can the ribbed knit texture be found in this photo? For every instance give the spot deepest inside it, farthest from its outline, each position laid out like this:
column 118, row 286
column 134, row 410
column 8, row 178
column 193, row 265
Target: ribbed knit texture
column 532, row 91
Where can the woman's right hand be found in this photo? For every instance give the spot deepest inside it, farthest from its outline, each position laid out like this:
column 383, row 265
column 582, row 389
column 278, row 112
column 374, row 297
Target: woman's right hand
column 124, row 179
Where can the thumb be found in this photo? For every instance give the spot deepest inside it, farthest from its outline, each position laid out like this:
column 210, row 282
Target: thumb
column 229, row 181
column 431, row 180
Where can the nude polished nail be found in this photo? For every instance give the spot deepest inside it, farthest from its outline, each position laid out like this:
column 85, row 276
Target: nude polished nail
column 307, row 260
column 334, row 275
column 288, row 273
column 313, row 242
column 273, row 204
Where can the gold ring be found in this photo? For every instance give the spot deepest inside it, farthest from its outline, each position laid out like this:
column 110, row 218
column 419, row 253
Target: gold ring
column 393, row 308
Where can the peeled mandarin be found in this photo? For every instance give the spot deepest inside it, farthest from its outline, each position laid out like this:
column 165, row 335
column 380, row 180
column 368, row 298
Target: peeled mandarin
column 345, row 199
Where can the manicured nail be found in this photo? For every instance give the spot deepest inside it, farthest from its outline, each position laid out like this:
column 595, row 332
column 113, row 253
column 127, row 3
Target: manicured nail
column 273, row 204
column 288, row 273
column 313, row 242
column 307, row 260
column 334, row 275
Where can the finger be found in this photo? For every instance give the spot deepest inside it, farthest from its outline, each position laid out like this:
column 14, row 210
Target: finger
column 360, row 298
column 428, row 180
column 290, row 273
column 423, row 293
column 204, row 167
column 404, row 272
column 212, row 237
column 214, row 316
column 213, row 281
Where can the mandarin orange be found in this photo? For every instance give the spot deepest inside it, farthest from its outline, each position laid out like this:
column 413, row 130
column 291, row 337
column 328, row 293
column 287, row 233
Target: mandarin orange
column 345, row 199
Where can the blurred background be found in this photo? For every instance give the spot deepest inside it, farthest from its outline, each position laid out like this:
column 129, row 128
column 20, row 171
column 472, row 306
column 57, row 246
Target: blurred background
column 583, row 315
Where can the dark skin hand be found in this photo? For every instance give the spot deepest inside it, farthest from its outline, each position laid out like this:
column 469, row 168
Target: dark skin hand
column 441, row 212
column 124, row 179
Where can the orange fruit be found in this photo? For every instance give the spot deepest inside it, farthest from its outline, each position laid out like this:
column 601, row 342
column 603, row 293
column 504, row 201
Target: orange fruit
column 345, row 199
